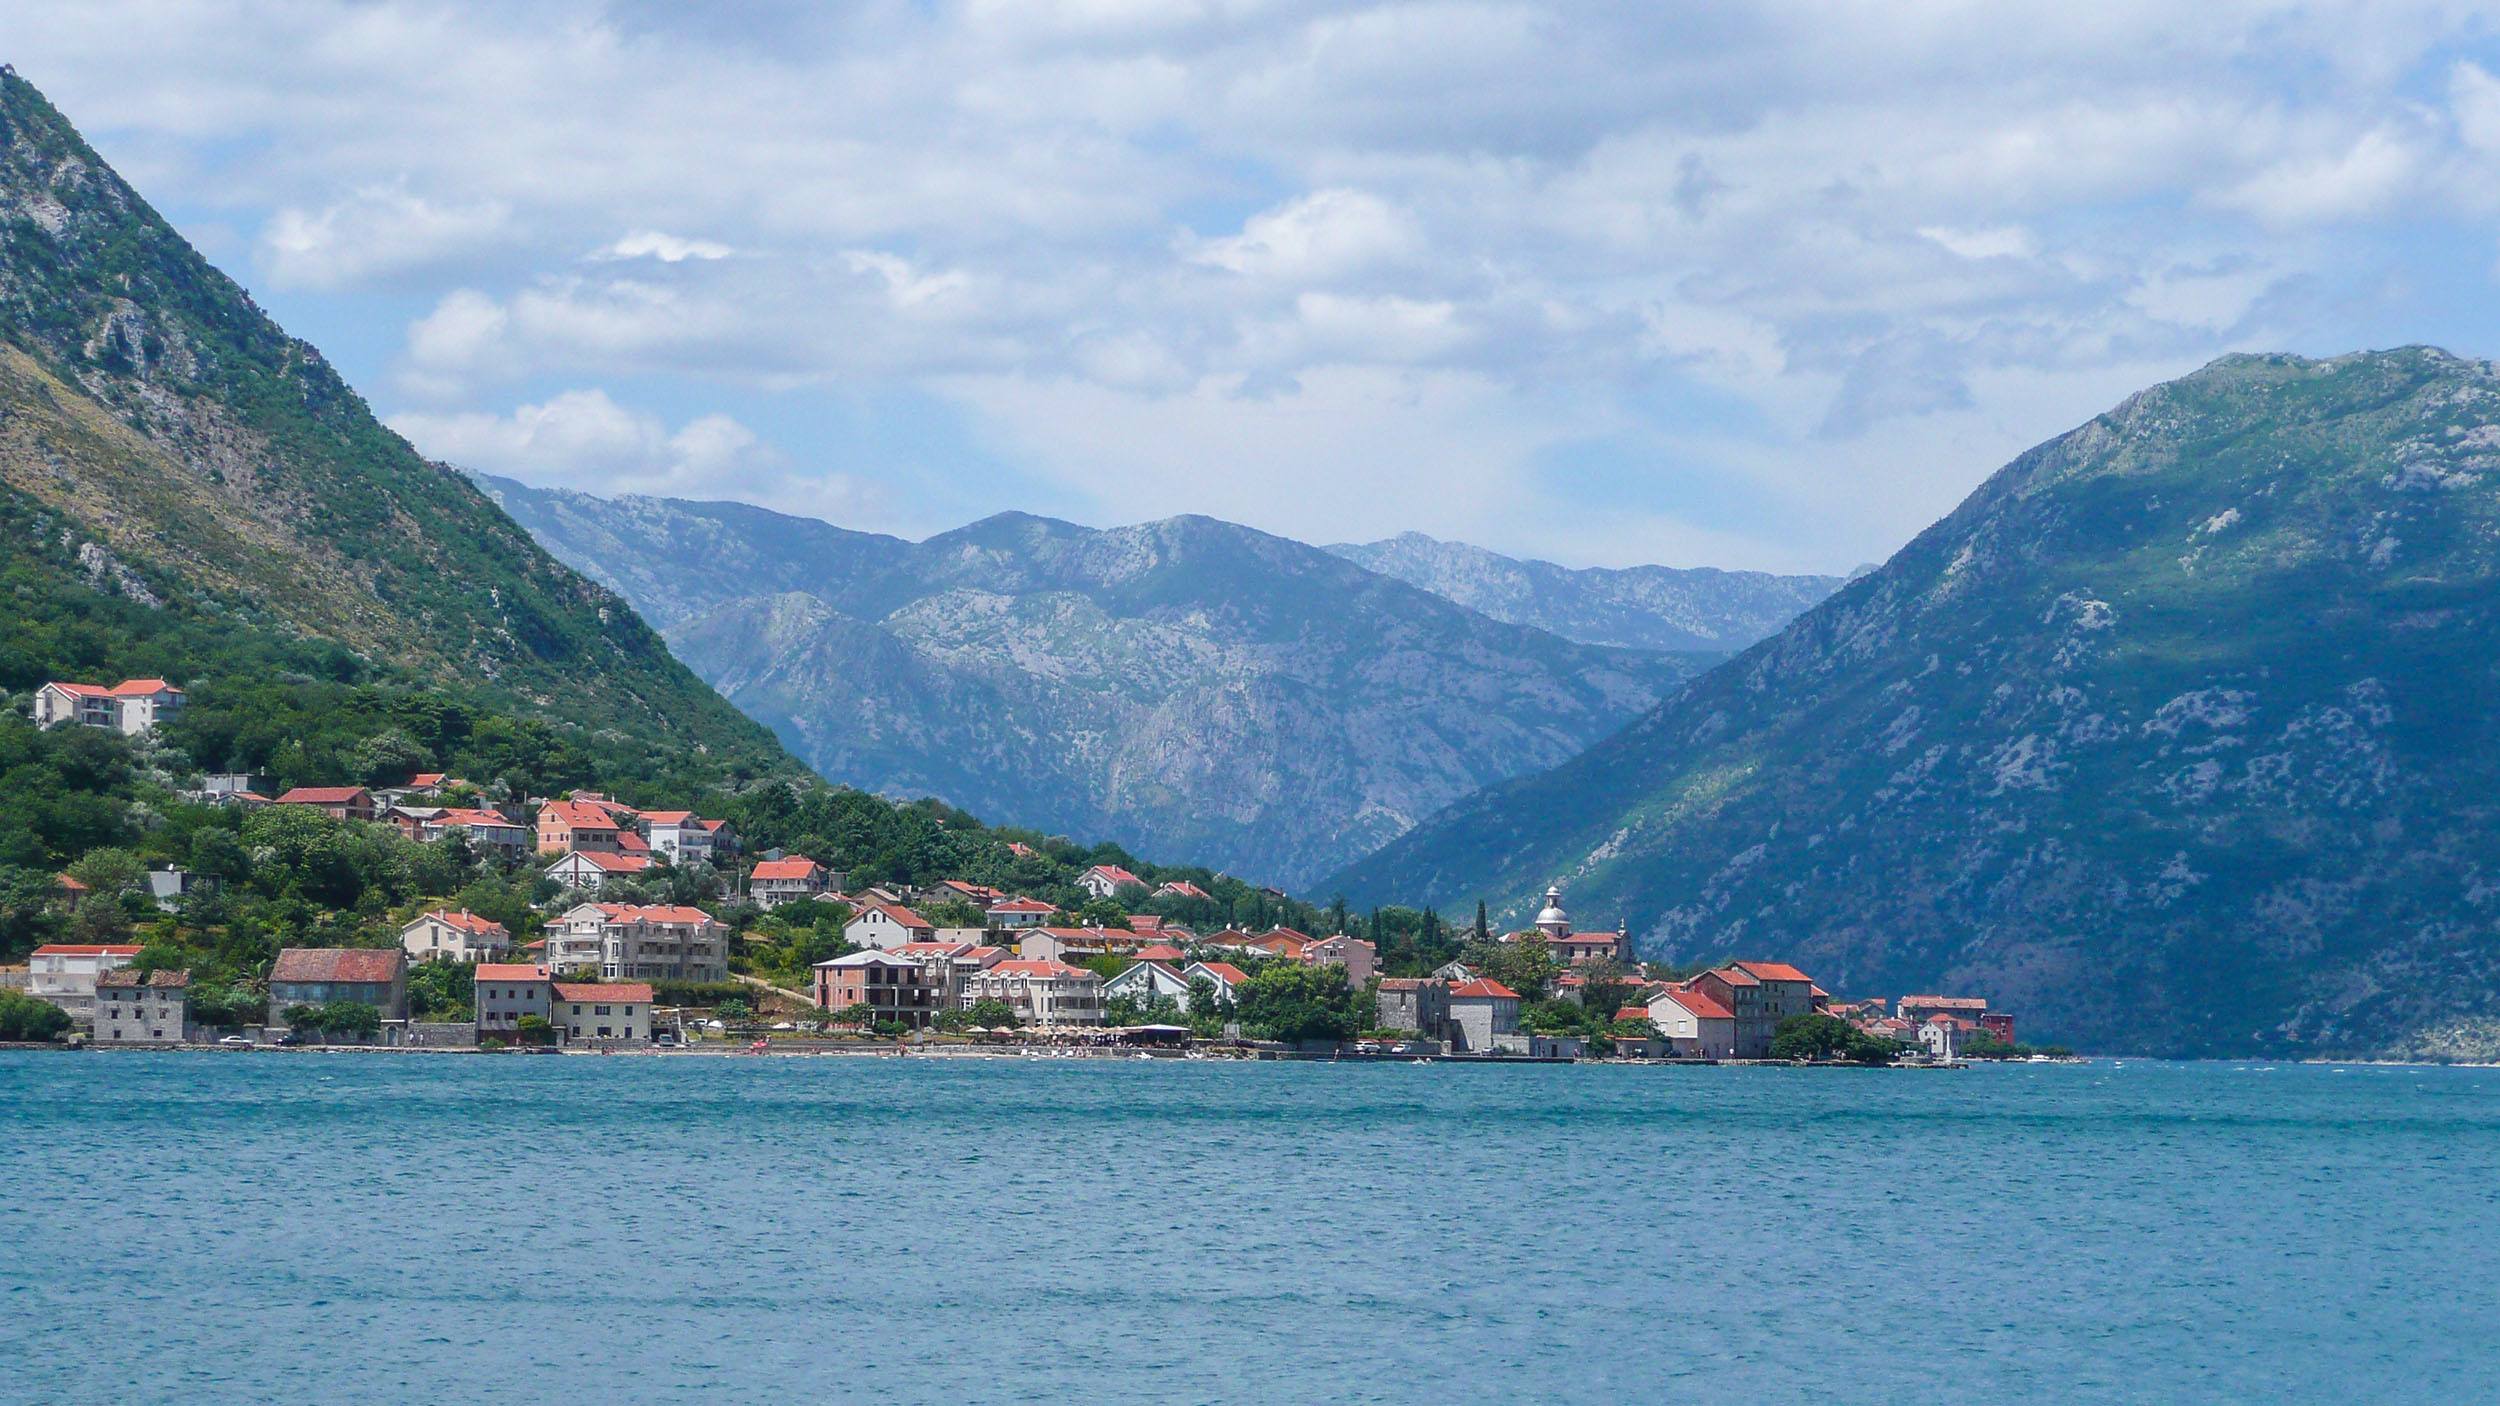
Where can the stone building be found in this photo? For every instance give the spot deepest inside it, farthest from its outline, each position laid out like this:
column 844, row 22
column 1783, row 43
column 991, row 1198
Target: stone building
column 131, row 1009
column 1420, row 1004
column 317, row 976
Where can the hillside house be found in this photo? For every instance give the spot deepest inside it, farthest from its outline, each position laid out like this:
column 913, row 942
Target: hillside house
column 590, row 870
column 687, row 838
column 132, row 706
column 447, row 936
column 1358, row 957
column 576, row 826
column 1107, row 880
column 774, row 882
column 883, row 925
column 1011, row 913
column 1226, row 978
column 1183, row 888
column 336, row 802
column 489, row 832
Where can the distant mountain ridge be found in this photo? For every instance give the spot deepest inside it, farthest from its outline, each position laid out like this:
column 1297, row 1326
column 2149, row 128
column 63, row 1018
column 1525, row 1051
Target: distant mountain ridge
column 1189, row 685
column 1640, row 607
column 2176, row 736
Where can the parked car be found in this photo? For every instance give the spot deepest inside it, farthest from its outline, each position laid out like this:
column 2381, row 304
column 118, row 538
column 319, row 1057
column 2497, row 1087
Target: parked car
column 291, row 1038
column 237, row 1042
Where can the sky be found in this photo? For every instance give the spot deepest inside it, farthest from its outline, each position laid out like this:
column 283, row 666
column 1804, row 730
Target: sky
column 1765, row 286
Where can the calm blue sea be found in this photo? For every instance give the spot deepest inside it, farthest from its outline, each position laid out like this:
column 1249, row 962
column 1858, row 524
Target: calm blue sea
column 221, row 1227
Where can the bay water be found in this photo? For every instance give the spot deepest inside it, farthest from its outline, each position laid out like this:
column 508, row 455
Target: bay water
column 201, row 1227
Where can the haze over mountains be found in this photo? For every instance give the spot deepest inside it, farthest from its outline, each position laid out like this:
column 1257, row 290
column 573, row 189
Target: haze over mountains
column 1641, row 607
column 1254, row 702
column 2177, row 735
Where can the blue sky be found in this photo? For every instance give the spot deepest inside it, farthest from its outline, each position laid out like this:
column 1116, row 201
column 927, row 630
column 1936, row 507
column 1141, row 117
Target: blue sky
column 1768, row 285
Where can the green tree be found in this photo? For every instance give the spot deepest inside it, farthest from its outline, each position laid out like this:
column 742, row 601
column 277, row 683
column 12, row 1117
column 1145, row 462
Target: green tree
column 1292, row 1002
column 351, row 1018
column 24, row 1018
column 1526, row 966
column 443, row 991
column 990, row 1013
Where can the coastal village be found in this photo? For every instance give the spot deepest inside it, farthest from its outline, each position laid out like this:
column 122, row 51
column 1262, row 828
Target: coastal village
column 948, row 966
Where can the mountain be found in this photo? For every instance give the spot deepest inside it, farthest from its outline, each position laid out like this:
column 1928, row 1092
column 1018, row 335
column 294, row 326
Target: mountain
column 1190, row 684
column 2176, row 736
column 165, row 445
column 1641, row 607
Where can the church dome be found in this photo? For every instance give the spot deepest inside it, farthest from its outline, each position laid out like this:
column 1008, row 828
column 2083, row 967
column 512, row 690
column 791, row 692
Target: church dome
column 1553, row 918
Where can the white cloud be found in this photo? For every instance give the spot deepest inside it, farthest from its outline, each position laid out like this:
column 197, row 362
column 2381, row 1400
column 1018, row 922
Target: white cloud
column 375, row 234
column 584, row 439
column 1432, row 231
column 667, row 248
column 1317, row 238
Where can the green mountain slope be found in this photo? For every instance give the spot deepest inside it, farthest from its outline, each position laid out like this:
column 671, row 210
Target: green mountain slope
column 1639, row 607
column 161, row 430
column 1188, row 686
column 2178, row 735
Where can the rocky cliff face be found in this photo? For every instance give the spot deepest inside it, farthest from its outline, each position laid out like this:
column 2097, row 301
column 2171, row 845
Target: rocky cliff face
column 1187, row 686
column 2178, row 735
column 1641, row 607
column 192, row 457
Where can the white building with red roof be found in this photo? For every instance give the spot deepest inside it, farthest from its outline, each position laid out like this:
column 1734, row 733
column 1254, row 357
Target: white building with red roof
column 444, row 935
column 1147, row 980
column 1358, row 957
column 773, row 882
column 590, row 870
column 1693, row 1023
column 1183, row 888
column 489, row 832
column 1226, row 978
column 1040, row 993
column 884, row 925
column 600, row 1012
column 578, row 825
column 507, row 991
column 65, row 973
column 1011, row 913
column 132, row 706
column 1481, row 1012
column 638, row 942
column 687, row 838
column 1106, row 880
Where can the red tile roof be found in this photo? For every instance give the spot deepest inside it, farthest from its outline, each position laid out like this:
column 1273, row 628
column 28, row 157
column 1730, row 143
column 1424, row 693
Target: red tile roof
column 1776, row 971
column 1483, row 987
column 1116, row 874
column 426, row 778
column 1632, row 1013
column 795, row 867
column 1021, row 905
column 667, row 817
column 1699, row 1004
column 1225, row 970
column 1043, row 967
column 1735, row 976
column 575, row 815
column 1161, row 952
column 467, row 921
column 1183, row 888
column 930, row 949
column 900, row 914
column 466, row 818
column 66, row 882
column 374, row 966
column 321, row 795
column 654, row 913
column 82, row 690
column 622, row 991
column 509, row 971
column 88, row 949
column 132, row 688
